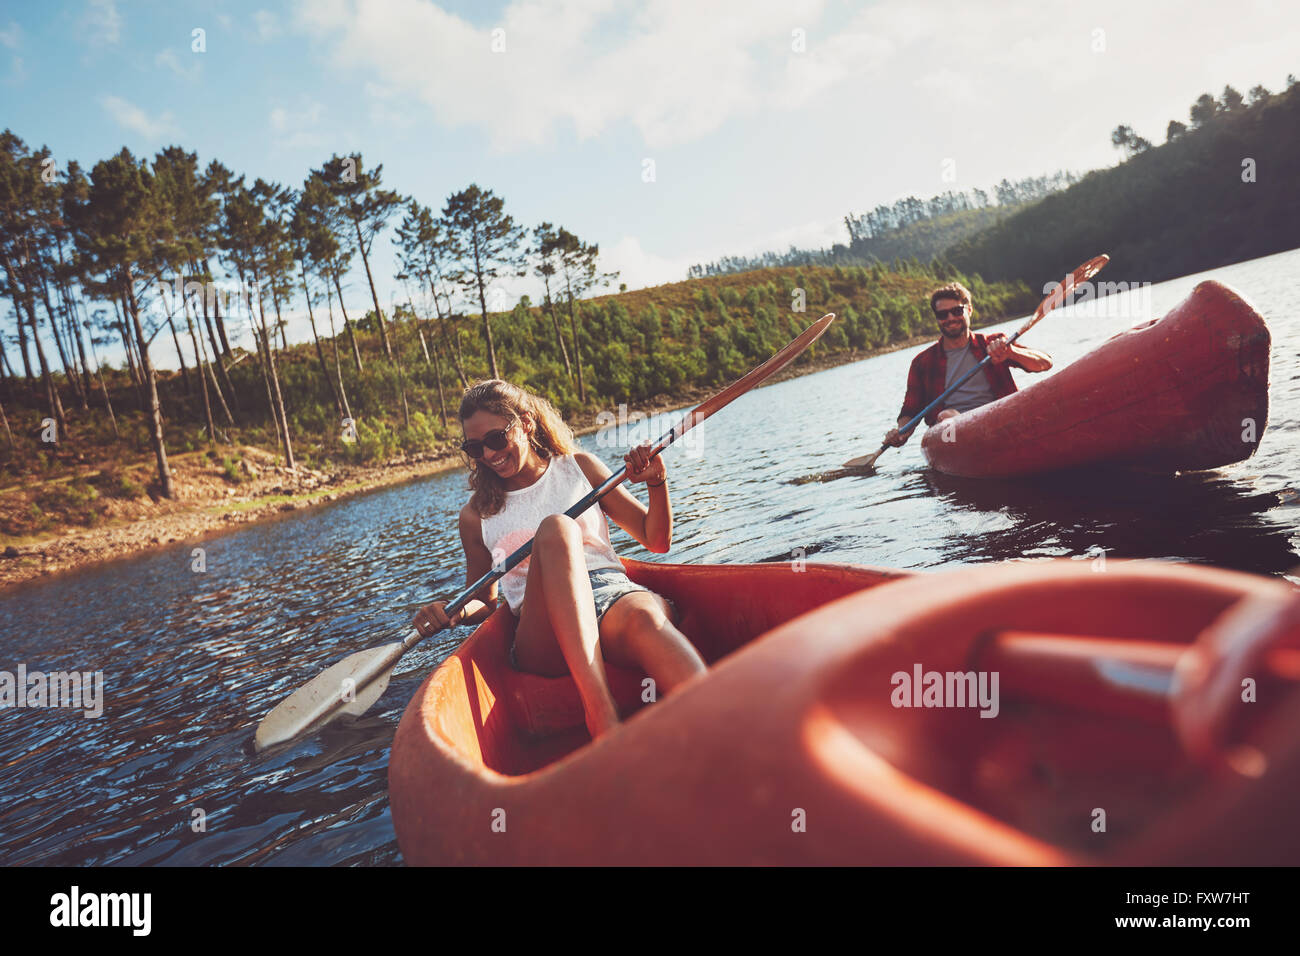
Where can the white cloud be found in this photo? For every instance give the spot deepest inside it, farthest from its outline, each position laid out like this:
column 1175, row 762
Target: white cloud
column 131, row 117
column 949, row 84
column 11, row 35
column 388, row 109
column 297, row 128
column 677, row 70
column 267, row 24
column 102, row 22
column 829, row 62
column 639, row 267
column 169, row 59
column 674, row 69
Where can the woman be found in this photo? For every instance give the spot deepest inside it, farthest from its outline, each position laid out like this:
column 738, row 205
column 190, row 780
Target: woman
column 575, row 606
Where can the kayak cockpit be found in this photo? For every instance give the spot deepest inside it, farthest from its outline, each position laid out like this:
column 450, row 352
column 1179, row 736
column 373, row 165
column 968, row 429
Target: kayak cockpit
column 499, row 720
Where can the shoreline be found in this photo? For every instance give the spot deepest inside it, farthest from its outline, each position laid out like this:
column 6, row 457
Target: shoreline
column 273, row 491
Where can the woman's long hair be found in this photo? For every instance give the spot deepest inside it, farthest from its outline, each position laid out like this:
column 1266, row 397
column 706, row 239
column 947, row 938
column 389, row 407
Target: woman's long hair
column 550, row 437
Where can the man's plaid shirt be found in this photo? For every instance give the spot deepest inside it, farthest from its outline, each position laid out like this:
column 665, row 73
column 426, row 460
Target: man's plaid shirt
column 928, row 374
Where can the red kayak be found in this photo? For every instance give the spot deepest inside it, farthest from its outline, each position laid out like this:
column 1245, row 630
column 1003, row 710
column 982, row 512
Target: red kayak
column 1186, row 392
column 1029, row 714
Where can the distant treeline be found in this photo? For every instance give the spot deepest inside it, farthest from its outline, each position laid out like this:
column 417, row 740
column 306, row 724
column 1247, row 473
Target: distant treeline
column 911, row 228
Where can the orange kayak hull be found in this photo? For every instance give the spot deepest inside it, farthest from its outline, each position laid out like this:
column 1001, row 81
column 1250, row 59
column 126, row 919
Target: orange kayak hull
column 794, row 750
column 1187, row 392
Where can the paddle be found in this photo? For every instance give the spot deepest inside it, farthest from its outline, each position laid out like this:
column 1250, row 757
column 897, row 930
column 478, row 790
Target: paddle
column 353, row 684
column 1054, row 299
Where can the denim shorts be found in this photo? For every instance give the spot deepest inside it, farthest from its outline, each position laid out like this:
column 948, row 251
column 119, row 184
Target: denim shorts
column 607, row 586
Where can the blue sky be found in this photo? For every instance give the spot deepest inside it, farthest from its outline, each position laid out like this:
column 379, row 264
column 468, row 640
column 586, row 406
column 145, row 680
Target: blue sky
column 766, row 122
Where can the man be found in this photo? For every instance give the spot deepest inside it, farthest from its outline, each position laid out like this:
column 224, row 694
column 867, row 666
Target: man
column 957, row 352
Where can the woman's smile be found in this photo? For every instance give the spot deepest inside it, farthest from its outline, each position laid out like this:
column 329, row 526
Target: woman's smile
column 498, row 461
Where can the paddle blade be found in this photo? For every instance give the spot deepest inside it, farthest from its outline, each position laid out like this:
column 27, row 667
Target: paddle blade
column 1064, row 289
column 833, row 475
column 349, row 687
column 756, row 376
column 866, row 461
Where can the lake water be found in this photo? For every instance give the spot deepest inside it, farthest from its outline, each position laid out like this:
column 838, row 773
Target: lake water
column 192, row 661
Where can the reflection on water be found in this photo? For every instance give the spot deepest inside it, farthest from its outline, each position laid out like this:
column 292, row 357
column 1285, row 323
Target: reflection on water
column 192, row 661
column 1201, row 518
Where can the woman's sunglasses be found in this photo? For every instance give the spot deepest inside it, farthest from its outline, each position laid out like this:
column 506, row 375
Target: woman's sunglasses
column 496, row 439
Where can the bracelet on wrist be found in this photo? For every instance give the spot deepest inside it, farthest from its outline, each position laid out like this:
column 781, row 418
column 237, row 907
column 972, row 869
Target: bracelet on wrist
column 659, row 485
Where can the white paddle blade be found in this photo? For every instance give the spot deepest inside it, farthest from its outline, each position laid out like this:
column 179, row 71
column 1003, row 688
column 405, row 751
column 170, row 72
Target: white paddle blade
column 349, row 687
column 366, row 696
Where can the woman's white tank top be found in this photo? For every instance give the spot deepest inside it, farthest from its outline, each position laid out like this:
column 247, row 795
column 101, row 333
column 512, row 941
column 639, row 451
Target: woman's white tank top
column 561, row 485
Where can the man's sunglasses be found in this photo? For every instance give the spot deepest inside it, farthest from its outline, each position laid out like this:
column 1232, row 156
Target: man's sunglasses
column 955, row 312
column 496, row 439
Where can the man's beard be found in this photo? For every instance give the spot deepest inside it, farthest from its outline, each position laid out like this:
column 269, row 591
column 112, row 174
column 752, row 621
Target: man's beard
column 954, row 335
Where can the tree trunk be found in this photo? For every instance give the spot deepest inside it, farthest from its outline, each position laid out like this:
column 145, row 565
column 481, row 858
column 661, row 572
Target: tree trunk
column 130, row 353
column 5, row 419
column 24, row 297
column 22, row 330
column 277, row 407
column 334, row 343
column 221, row 330
column 108, row 402
column 204, row 279
column 457, row 360
column 559, row 336
column 577, row 351
column 51, row 390
column 6, row 371
column 203, row 382
column 320, row 353
column 379, row 315
column 212, row 378
column 74, row 329
column 155, row 408
column 401, row 383
column 226, row 384
column 437, row 373
column 128, row 343
column 482, row 301
column 185, row 373
column 69, row 369
column 356, row 352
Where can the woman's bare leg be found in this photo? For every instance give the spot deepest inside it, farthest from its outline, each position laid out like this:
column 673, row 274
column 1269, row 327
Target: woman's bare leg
column 637, row 631
column 557, row 628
